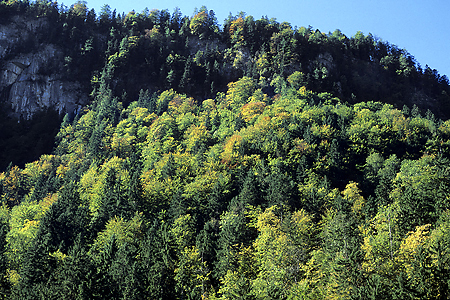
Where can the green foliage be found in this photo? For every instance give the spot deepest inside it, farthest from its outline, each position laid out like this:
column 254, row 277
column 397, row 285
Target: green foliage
column 230, row 163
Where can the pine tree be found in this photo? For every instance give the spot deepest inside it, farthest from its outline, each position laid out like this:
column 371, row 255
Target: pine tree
column 62, row 223
column 206, row 243
column 250, row 193
column 105, row 285
column 280, row 189
column 37, row 269
column 123, row 271
column 5, row 285
column 135, row 191
column 114, row 202
column 157, row 263
column 74, row 278
column 216, row 201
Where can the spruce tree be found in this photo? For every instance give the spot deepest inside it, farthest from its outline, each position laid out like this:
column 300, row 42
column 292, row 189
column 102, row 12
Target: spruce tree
column 5, row 285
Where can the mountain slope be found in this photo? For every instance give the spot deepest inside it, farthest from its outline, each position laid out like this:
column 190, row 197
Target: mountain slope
column 53, row 57
column 216, row 164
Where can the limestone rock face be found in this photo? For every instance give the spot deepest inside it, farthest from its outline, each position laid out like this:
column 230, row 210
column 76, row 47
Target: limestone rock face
column 33, row 80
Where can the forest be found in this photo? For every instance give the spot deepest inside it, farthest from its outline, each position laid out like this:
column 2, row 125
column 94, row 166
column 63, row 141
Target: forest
column 249, row 160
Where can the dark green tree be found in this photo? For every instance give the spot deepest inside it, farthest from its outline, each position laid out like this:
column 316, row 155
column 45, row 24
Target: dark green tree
column 114, row 202
column 5, row 285
column 157, row 263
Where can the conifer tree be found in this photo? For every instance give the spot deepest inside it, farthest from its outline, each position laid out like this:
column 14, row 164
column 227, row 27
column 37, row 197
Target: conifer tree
column 157, row 263
column 75, row 276
column 4, row 283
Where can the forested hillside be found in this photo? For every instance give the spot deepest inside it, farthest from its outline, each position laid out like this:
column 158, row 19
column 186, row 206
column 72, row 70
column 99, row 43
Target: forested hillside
column 251, row 160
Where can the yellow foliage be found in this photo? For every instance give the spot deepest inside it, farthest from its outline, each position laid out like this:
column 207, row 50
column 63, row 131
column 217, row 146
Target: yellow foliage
column 181, row 105
column 209, row 105
column 90, row 188
column 353, row 194
column 252, row 110
column 236, row 30
column 313, row 185
column 381, row 241
column 12, row 183
column 445, row 129
column 156, row 192
column 49, row 200
column 414, row 239
column 202, row 185
column 239, row 92
column 231, row 149
column 124, row 231
column 276, row 251
column 368, row 129
column 302, row 221
column 268, row 220
column 314, row 115
column 263, row 65
column 79, row 8
column 304, row 92
column 108, row 135
column 192, row 272
column 186, row 120
column 323, row 131
column 41, row 166
column 29, row 225
column 133, row 41
column 229, row 285
column 418, row 174
column 262, row 125
column 142, row 115
column 24, row 224
column 198, row 23
column 58, row 255
column 296, row 80
column 259, row 96
column 182, row 230
column 85, row 122
column 410, row 246
column 122, row 144
column 302, row 146
column 61, row 170
column 13, row 276
column 92, row 183
column 132, row 131
column 154, row 34
column 123, row 138
column 196, row 136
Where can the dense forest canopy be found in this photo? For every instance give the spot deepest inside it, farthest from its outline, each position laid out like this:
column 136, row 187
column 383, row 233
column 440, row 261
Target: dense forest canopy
column 251, row 160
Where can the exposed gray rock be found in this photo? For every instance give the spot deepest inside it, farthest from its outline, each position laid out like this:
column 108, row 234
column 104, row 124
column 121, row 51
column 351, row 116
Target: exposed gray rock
column 33, row 81
column 30, row 96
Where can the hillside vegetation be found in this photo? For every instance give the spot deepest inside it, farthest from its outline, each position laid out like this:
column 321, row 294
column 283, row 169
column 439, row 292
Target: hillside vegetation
column 248, row 161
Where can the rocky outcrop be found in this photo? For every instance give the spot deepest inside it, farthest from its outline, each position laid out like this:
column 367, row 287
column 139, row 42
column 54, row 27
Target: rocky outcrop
column 32, row 81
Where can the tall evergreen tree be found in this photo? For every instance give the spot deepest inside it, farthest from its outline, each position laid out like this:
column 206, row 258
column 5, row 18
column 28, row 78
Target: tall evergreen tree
column 5, row 285
column 157, row 263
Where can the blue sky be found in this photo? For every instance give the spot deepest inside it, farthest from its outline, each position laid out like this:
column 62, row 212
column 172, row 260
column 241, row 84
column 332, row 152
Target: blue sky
column 420, row 27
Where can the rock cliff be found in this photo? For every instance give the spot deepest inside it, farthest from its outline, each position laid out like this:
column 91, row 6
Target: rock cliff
column 32, row 80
